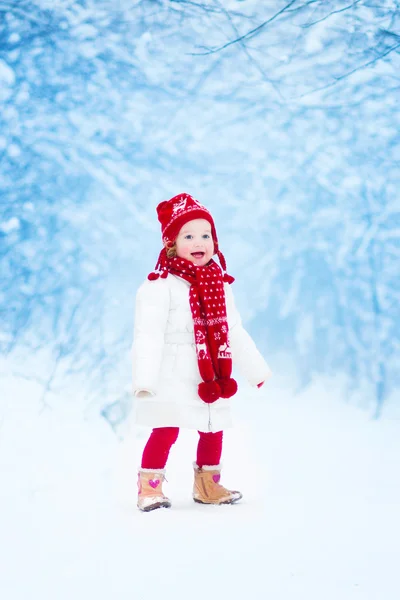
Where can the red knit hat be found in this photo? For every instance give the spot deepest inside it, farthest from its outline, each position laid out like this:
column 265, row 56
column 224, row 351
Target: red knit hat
column 173, row 214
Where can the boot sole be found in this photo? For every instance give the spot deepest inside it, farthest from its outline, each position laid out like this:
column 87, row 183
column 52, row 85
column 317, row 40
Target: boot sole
column 233, row 501
column 155, row 506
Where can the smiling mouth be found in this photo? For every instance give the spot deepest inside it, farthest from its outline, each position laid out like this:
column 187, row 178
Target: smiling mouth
column 198, row 254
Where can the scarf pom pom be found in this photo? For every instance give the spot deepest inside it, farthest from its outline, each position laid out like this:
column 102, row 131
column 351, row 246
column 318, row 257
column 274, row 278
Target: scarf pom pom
column 153, row 276
column 228, row 387
column 209, row 391
column 228, row 278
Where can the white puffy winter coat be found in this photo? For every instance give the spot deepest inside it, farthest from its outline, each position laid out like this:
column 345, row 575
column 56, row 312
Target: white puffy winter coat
column 165, row 369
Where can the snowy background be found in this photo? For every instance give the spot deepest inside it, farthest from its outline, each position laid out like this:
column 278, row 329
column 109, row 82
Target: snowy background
column 282, row 117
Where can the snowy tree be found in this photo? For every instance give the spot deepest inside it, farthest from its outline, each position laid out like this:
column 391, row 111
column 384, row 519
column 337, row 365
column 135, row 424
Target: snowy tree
column 282, row 118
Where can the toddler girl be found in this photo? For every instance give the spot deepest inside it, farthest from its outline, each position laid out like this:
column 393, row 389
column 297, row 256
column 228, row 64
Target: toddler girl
column 187, row 333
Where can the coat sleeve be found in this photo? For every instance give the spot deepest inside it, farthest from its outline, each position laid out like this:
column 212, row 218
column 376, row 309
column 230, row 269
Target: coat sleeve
column 151, row 315
column 245, row 355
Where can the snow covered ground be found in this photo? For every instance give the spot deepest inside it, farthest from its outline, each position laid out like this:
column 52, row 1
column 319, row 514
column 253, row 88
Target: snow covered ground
column 319, row 518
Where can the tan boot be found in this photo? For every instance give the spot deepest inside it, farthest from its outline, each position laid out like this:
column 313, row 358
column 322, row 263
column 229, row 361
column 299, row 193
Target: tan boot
column 150, row 494
column 208, row 490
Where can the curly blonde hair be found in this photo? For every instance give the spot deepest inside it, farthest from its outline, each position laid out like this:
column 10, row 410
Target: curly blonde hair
column 171, row 249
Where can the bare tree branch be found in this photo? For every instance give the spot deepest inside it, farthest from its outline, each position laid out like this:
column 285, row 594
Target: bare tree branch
column 334, row 12
column 26, row 15
column 247, row 35
column 209, row 9
column 247, row 52
column 393, row 34
column 349, row 73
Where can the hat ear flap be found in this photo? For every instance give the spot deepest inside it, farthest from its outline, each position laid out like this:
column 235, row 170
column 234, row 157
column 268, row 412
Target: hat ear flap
column 227, row 278
column 222, row 260
column 161, row 267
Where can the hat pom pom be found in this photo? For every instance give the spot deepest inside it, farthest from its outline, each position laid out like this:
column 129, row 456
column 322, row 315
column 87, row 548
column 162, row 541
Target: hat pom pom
column 209, row 391
column 153, row 276
column 228, row 387
column 228, row 278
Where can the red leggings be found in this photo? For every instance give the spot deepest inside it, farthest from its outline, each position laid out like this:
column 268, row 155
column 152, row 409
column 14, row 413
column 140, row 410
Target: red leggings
column 156, row 451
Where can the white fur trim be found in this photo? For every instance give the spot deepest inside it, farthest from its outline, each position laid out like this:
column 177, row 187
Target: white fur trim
column 158, row 471
column 207, row 467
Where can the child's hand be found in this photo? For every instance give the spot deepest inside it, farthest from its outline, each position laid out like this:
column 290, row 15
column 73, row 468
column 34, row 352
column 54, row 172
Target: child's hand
column 260, row 384
column 143, row 394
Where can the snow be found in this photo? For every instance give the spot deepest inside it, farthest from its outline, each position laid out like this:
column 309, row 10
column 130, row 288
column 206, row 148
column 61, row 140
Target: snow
column 10, row 225
column 300, row 171
column 13, row 150
column 319, row 517
column 7, row 75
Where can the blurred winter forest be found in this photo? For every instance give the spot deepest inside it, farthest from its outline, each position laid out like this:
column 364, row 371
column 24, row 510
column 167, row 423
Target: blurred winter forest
column 282, row 117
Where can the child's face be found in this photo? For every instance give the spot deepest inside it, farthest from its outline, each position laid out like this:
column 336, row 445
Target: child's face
column 195, row 243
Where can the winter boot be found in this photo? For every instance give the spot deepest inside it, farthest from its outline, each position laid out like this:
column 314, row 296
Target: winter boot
column 150, row 494
column 208, row 490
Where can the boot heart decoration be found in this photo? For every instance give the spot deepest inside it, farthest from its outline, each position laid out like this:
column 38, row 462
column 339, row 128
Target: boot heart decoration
column 216, row 478
column 154, row 483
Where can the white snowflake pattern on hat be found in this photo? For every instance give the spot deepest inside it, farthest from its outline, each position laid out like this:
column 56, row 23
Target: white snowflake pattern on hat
column 182, row 204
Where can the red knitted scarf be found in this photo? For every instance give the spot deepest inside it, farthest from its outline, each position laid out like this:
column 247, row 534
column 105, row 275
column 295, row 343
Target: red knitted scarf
column 207, row 302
